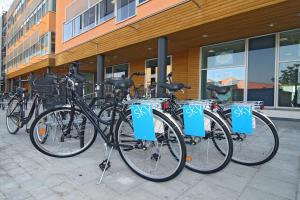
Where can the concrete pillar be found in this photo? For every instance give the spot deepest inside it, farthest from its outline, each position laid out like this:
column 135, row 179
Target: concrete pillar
column 100, row 72
column 162, row 64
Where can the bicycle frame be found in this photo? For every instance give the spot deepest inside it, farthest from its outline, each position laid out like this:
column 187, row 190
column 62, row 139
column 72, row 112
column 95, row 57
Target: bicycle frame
column 91, row 115
column 23, row 118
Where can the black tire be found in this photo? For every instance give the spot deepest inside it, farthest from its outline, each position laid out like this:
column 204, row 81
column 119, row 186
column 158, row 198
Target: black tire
column 273, row 130
column 32, row 128
column 225, row 130
column 9, row 105
column 181, row 143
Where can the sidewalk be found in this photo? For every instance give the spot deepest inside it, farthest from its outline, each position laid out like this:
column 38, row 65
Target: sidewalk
column 25, row 173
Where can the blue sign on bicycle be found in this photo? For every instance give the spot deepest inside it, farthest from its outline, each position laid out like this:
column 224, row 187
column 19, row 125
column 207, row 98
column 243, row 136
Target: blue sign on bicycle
column 242, row 119
column 143, row 123
column 193, row 119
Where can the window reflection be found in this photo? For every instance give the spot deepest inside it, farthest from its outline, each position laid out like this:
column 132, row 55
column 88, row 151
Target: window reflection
column 289, row 69
column 289, row 84
column 261, row 69
column 125, row 9
column 224, row 65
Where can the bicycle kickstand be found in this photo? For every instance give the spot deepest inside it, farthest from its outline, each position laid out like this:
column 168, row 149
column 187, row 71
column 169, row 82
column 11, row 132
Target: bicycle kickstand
column 106, row 163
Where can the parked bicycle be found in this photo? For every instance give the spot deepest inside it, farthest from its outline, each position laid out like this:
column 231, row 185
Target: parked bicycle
column 255, row 149
column 202, row 156
column 73, row 129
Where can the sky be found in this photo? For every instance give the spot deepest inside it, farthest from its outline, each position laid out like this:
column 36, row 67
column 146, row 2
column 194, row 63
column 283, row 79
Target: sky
column 4, row 4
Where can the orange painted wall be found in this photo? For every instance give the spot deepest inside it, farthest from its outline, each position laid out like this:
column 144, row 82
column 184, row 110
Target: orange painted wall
column 143, row 10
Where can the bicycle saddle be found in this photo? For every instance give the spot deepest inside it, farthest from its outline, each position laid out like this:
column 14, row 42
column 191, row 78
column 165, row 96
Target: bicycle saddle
column 218, row 89
column 173, row 87
column 120, row 83
column 20, row 90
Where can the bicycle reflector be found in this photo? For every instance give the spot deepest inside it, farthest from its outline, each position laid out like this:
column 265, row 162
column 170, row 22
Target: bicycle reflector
column 215, row 105
column 42, row 131
column 165, row 105
column 189, row 158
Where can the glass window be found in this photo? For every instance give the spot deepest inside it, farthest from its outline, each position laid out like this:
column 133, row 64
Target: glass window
column 106, row 10
column 125, row 9
column 289, row 69
column 89, row 18
column 120, row 71
column 151, row 74
column 77, row 25
column 289, row 84
column 224, row 65
column 290, row 46
column 141, row 1
column 68, row 33
column 261, row 69
column 108, row 72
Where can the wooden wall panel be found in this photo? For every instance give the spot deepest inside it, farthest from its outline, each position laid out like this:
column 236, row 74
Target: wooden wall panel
column 180, row 71
column 193, row 74
column 179, row 18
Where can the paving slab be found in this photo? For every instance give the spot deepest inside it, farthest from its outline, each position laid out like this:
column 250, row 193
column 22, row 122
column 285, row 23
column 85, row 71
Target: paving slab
column 31, row 175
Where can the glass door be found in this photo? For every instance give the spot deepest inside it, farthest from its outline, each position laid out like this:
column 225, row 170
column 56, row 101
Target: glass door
column 151, row 75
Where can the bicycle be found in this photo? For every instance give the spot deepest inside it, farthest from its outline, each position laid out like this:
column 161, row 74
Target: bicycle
column 15, row 114
column 255, row 149
column 73, row 129
column 195, row 160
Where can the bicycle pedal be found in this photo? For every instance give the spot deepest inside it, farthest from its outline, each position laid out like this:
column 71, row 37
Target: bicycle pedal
column 103, row 164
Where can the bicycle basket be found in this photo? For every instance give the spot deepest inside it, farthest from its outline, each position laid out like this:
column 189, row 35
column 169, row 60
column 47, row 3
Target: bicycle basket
column 51, row 94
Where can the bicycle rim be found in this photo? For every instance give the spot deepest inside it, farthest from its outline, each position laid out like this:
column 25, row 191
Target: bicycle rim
column 258, row 147
column 203, row 156
column 53, row 134
column 152, row 160
column 13, row 116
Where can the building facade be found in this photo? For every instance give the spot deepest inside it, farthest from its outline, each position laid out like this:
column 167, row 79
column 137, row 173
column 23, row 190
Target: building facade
column 30, row 39
column 252, row 46
column 3, row 28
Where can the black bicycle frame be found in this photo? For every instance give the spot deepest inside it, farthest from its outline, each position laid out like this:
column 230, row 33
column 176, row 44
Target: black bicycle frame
column 91, row 115
column 25, row 120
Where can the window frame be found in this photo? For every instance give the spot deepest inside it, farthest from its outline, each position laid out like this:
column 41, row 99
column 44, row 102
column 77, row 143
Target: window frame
column 128, row 17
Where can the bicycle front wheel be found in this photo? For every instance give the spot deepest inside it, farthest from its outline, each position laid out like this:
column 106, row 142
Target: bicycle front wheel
column 152, row 160
column 13, row 115
column 62, row 132
column 258, row 147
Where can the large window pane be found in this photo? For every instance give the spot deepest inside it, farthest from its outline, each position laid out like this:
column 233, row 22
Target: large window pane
column 231, row 77
column 289, row 69
column 89, row 18
column 117, row 71
column 230, row 54
column 224, row 65
column 68, row 33
column 125, row 9
column 77, row 25
column 289, row 84
column 108, row 72
column 261, row 69
column 290, row 46
column 106, row 10
column 121, row 71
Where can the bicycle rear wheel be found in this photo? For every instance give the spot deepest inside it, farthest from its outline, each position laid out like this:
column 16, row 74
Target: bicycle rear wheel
column 62, row 132
column 202, row 155
column 13, row 115
column 259, row 147
column 152, row 160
